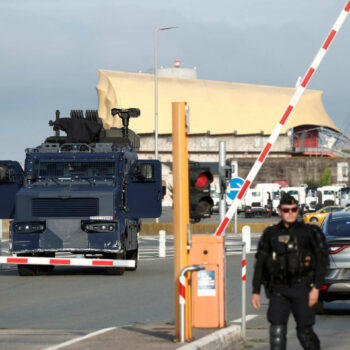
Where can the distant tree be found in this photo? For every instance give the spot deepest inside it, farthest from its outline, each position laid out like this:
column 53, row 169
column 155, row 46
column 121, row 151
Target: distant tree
column 326, row 177
column 312, row 183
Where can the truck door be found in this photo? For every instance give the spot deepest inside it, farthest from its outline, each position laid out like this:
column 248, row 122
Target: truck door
column 144, row 190
column 11, row 180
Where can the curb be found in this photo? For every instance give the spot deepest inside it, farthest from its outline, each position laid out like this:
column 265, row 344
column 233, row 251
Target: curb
column 219, row 340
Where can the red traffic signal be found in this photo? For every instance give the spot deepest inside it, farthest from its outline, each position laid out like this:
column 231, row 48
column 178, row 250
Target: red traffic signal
column 201, row 203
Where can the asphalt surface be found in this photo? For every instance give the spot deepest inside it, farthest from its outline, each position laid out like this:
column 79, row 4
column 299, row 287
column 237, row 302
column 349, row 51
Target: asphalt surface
column 49, row 309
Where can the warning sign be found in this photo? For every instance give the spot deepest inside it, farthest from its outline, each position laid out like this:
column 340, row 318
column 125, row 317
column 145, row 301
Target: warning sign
column 206, row 284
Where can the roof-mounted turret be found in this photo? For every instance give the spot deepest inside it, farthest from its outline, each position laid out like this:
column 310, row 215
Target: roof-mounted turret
column 89, row 129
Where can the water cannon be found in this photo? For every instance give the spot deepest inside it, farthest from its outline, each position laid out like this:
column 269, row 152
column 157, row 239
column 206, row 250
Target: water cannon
column 125, row 115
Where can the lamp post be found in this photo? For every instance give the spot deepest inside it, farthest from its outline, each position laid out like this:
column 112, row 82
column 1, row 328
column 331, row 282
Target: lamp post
column 156, row 84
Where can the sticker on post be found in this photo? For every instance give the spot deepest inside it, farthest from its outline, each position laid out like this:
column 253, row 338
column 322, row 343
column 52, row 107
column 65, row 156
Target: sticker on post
column 206, row 284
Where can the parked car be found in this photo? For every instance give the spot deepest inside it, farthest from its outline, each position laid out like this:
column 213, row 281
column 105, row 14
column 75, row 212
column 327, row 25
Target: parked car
column 319, row 215
column 336, row 228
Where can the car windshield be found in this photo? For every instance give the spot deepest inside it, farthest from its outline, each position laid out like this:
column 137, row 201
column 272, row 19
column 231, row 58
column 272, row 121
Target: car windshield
column 75, row 169
column 339, row 227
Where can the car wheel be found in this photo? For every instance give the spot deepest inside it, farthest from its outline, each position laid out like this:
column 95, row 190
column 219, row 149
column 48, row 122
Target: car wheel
column 313, row 220
column 319, row 308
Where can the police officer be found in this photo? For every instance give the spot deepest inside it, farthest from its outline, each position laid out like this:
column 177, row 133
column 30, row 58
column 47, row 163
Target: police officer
column 291, row 263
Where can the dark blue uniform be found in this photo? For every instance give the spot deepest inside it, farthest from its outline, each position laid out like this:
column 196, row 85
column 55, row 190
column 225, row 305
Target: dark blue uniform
column 289, row 262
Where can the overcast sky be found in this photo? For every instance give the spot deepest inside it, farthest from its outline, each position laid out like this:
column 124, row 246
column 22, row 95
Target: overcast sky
column 51, row 51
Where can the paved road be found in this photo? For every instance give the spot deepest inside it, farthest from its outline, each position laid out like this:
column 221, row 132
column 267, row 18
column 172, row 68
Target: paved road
column 40, row 311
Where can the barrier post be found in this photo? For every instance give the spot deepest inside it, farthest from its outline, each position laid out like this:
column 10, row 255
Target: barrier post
column 181, row 208
column 244, row 281
column 162, row 242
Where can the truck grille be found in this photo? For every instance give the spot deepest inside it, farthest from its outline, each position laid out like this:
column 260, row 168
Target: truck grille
column 256, row 204
column 64, row 207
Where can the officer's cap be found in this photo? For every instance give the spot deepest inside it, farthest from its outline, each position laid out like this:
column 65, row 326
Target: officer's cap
column 288, row 199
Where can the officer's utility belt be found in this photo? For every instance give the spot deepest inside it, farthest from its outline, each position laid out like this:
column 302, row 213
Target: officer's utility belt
column 293, row 280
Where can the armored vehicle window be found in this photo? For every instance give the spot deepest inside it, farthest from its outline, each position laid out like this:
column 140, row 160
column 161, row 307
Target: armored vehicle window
column 76, row 169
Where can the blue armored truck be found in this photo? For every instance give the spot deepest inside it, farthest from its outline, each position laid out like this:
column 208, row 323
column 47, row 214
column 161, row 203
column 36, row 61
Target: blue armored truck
column 83, row 193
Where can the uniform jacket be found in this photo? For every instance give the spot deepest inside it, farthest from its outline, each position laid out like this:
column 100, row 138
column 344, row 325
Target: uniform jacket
column 312, row 252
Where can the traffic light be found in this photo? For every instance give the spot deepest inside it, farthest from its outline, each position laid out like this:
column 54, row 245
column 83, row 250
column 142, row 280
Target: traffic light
column 201, row 203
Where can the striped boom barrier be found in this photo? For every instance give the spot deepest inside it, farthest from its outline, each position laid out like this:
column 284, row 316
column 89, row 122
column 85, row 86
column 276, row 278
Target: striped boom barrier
column 66, row 262
column 293, row 102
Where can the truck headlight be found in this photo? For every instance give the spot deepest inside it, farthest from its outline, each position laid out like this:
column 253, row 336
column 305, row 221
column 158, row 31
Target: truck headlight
column 29, row 227
column 95, row 227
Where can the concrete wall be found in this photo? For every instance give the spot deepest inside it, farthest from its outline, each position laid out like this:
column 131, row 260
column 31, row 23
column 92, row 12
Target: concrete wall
column 205, row 147
column 295, row 170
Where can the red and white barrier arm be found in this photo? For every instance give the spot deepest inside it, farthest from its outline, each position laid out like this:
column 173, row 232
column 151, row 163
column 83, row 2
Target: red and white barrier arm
column 66, row 262
column 293, row 102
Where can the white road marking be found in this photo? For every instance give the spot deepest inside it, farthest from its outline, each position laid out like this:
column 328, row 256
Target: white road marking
column 247, row 318
column 76, row 340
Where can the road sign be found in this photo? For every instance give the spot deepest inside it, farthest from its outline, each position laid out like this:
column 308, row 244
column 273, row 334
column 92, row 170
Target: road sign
column 235, row 186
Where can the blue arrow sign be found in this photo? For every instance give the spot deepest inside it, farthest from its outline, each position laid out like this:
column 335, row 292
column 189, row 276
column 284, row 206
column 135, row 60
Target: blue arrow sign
column 235, row 186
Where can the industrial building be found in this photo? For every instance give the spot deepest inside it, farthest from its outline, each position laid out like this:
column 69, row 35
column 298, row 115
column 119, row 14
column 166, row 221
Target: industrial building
column 242, row 115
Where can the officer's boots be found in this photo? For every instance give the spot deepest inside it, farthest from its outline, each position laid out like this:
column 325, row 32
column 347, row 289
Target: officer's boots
column 308, row 338
column 278, row 337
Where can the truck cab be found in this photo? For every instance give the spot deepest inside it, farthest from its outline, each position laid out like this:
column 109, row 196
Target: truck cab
column 84, row 198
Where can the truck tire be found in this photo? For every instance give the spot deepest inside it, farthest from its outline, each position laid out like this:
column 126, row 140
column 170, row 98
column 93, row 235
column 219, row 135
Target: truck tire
column 132, row 255
column 27, row 270
column 116, row 271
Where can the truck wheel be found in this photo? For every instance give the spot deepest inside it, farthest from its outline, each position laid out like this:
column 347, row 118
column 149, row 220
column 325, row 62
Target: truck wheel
column 46, row 268
column 319, row 308
column 132, row 255
column 27, row 270
column 116, row 271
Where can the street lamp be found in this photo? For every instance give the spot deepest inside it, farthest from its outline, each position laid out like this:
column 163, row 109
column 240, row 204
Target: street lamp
column 156, row 84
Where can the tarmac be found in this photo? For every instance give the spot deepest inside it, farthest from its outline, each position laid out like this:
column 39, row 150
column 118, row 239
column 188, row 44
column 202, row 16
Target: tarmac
column 161, row 337
column 149, row 337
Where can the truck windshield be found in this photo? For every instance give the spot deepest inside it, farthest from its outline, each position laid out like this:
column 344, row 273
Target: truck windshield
column 275, row 195
column 293, row 193
column 328, row 192
column 345, row 193
column 76, row 169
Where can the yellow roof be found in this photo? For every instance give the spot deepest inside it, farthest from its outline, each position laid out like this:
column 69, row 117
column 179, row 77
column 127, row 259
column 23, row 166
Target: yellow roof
column 217, row 106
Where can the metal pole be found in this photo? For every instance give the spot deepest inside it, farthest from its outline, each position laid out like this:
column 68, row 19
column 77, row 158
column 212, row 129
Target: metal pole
column 156, row 85
column 222, row 163
column 236, row 213
column 244, row 269
column 156, row 92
